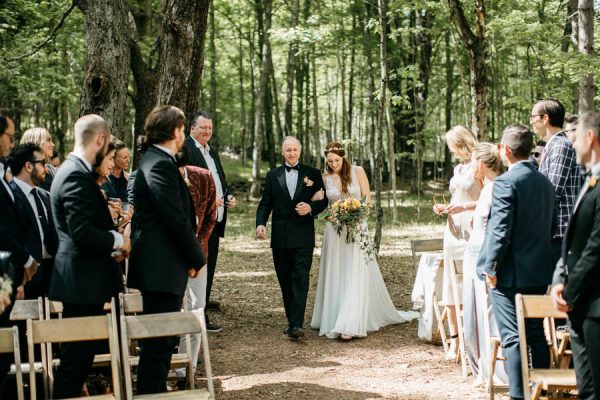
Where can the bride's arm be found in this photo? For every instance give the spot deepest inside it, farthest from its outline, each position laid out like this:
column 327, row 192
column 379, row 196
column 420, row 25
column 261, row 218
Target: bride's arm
column 363, row 181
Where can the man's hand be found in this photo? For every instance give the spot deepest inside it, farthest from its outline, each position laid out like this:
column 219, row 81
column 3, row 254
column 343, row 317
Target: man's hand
column 192, row 273
column 491, row 281
column 303, row 208
column 126, row 246
column 20, row 295
column 261, row 232
column 556, row 293
column 220, row 202
column 30, row 272
column 231, row 201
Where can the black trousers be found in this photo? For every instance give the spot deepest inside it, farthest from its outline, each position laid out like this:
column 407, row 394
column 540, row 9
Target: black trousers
column 211, row 263
column 76, row 358
column 585, row 342
column 155, row 357
column 293, row 273
column 504, row 307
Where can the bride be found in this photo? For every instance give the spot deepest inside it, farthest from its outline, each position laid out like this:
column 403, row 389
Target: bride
column 351, row 297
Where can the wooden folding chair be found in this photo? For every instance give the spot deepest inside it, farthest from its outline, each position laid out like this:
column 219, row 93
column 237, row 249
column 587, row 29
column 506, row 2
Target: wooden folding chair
column 9, row 343
column 529, row 306
column 425, row 245
column 559, row 342
column 161, row 325
column 456, row 275
column 75, row 330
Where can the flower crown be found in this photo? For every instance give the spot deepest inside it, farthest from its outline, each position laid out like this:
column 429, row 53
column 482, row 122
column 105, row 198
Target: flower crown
column 334, row 149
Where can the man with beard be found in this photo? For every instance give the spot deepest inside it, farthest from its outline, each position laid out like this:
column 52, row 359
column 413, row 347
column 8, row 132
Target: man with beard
column 27, row 165
column 86, row 274
column 165, row 250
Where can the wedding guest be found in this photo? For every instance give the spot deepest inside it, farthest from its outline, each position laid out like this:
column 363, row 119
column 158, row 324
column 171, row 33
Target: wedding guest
column 42, row 138
column 536, row 153
column 516, row 254
column 287, row 194
column 85, row 274
column 55, row 160
column 575, row 289
column 558, row 163
column 465, row 189
column 165, row 251
column 204, row 156
column 203, row 192
column 116, row 181
column 351, row 297
column 27, row 165
column 487, row 166
column 571, row 121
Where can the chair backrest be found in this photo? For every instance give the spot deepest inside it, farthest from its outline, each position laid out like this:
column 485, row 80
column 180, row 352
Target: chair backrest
column 131, row 303
column 9, row 343
column 423, row 245
column 161, row 325
column 53, row 307
column 532, row 306
column 75, row 330
column 27, row 309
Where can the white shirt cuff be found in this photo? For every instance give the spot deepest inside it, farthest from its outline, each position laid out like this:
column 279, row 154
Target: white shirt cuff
column 119, row 241
column 29, row 262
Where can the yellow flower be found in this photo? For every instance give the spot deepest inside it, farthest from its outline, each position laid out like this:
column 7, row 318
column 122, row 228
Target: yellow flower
column 592, row 182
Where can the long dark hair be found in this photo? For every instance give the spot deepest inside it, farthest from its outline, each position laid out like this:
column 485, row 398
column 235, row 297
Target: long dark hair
column 345, row 175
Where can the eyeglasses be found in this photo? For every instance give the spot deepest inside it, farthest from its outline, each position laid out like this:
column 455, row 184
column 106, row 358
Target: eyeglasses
column 532, row 116
column 536, row 153
column 38, row 161
column 570, row 130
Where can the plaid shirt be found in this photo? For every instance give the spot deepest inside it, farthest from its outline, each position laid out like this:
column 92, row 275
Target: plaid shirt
column 559, row 165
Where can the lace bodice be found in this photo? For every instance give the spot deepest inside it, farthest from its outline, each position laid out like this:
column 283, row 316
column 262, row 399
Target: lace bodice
column 333, row 187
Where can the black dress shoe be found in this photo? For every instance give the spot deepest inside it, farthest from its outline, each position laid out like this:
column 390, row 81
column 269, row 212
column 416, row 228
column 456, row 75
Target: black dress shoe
column 286, row 330
column 213, row 305
column 295, row 333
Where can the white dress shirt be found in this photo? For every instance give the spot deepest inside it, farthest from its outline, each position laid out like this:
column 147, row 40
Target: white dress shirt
column 291, row 179
column 212, row 167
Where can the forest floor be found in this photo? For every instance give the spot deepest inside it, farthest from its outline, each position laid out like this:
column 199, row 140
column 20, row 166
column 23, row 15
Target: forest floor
column 252, row 358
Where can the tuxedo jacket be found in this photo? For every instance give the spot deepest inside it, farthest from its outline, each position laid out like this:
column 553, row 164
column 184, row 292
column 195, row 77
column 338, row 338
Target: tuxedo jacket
column 84, row 271
column 579, row 267
column 197, row 159
column 203, row 192
column 288, row 229
column 164, row 244
column 33, row 240
column 517, row 245
column 12, row 233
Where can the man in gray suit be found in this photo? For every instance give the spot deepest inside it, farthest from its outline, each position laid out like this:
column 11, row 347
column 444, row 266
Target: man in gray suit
column 516, row 256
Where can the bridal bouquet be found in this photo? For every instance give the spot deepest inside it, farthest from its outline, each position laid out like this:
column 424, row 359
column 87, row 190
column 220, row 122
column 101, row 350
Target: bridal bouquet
column 352, row 214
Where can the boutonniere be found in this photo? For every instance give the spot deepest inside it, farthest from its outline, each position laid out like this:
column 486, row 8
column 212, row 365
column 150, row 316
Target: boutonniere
column 592, row 182
column 308, row 182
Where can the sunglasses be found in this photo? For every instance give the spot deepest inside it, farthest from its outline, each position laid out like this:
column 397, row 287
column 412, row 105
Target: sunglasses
column 536, row 153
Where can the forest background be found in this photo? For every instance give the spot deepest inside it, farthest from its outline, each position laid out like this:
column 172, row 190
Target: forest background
column 386, row 77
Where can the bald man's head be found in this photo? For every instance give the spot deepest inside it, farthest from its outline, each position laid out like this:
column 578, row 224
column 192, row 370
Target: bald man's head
column 88, row 127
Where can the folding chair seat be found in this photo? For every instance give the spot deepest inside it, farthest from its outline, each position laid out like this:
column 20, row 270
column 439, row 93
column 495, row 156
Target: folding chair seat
column 162, row 325
column 9, row 343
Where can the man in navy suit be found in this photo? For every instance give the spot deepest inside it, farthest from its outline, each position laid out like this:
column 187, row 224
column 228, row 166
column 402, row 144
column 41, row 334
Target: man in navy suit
column 516, row 256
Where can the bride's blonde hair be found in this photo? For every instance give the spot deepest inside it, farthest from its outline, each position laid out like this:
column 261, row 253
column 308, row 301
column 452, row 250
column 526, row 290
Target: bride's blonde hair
column 345, row 176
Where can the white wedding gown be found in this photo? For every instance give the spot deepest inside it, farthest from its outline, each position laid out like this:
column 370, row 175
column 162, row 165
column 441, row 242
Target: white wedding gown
column 351, row 295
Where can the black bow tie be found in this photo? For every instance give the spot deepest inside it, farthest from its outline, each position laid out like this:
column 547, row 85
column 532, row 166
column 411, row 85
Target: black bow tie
column 296, row 167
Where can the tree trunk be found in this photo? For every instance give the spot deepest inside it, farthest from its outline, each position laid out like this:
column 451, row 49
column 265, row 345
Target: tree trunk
column 476, row 46
column 351, row 82
column 275, row 97
column 586, row 47
column 315, row 105
column 181, row 53
column 448, row 105
column 269, row 121
column 104, row 89
column 242, row 102
column 212, row 66
column 291, row 68
column 260, row 103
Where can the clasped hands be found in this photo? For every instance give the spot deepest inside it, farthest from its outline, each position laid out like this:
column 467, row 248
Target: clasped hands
column 440, row 209
column 231, row 201
column 301, row 209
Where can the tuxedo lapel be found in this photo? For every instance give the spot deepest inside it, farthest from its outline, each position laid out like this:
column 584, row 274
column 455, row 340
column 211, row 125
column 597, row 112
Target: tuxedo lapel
column 24, row 207
column 300, row 183
column 283, row 183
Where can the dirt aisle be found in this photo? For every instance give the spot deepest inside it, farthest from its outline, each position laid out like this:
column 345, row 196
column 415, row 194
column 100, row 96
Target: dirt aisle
column 252, row 358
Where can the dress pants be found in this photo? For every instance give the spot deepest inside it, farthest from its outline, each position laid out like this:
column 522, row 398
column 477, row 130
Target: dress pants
column 211, row 263
column 293, row 273
column 504, row 306
column 586, row 355
column 195, row 299
column 76, row 358
column 155, row 357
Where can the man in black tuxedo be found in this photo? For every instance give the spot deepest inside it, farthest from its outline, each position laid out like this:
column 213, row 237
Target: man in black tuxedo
column 27, row 165
column 204, row 156
column 516, row 256
column 287, row 193
column 577, row 274
column 165, row 250
column 86, row 274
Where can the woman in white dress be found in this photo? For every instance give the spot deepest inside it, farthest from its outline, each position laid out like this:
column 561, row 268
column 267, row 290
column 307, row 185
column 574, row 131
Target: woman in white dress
column 465, row 189
column 351, row 297
column 479, row 323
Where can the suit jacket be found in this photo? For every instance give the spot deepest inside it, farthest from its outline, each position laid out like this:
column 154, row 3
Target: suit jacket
column 33, row 240
column 579, row 266
column 164, row 244
column 290, row 230
column 197, row 159
column 202, row 190
column 517, row 245
column 84, row 271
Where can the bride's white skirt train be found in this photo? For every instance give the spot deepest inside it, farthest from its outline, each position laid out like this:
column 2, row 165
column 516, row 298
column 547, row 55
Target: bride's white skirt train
column 351, row 295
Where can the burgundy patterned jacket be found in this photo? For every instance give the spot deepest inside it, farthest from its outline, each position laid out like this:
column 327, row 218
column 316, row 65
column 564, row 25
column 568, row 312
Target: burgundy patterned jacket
column 202, row 189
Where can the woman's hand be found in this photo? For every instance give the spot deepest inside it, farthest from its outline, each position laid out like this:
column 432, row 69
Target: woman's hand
column 320, row 195
column 440, row 209
column 455, row 208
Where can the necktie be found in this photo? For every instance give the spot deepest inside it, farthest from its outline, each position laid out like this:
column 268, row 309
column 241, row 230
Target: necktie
column 40, row 210
column 296, row 167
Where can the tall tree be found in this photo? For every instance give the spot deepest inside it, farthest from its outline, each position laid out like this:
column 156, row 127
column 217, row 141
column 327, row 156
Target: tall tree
column 212, row 66
column 586, row 47
column 291, row 68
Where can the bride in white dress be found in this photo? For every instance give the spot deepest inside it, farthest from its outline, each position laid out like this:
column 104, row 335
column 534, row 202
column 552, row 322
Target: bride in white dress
column 351, row 297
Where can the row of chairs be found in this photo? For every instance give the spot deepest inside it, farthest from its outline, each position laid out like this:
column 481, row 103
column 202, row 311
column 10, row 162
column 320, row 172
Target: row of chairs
column 558, row 378
column 44, row 330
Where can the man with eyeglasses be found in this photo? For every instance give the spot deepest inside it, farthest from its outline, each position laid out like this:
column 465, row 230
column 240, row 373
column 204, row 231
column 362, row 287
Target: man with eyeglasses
column 571, row 126
column 558, row 163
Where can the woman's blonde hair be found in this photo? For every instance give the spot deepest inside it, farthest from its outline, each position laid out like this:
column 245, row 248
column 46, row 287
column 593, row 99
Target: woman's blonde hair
column 462, row 138
column 489, row 155
column 36, row 136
